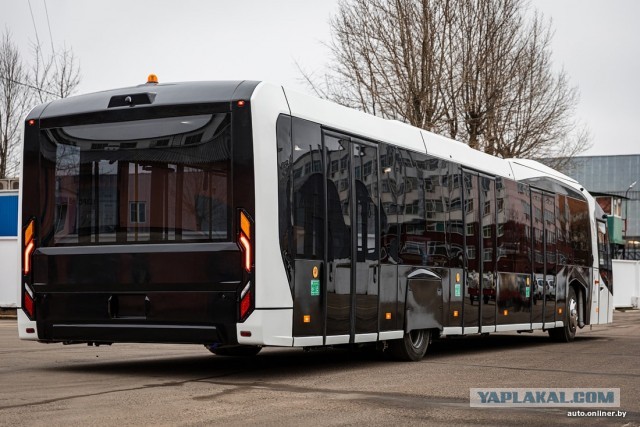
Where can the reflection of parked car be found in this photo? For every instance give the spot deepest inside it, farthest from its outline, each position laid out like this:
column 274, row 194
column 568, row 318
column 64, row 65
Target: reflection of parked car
column 538, row 291
column 544, row 289
column 417, row 251
column 551, row 289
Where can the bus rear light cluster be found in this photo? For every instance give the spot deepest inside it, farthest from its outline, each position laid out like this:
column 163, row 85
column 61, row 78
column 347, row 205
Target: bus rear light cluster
column 246, row 250
column 245, row 231
column 28, row 303
column 245, row 301
column 29, row 247
column 244, row 240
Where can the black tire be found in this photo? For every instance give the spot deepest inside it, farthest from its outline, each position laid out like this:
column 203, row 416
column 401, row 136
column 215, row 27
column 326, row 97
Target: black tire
column 236, row 350
column 412, row 346
column 567, row 333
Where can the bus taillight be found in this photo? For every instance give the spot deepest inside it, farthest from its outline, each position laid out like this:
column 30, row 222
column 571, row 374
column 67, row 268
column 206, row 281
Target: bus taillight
column 244, row 240
column 28, row 304
column 245, row 231
column 245, row 301
column 29, row 247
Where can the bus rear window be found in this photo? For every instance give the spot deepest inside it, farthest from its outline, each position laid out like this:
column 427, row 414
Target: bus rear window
column 145, row 181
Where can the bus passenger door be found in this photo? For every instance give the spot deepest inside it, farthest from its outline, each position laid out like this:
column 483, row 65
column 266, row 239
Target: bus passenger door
column 352, row 240
column 366, row 220
column 488, row 211
column 539, row 277
column 602, row 279
column 338, row 305
column 472, row 275
column 551, row 259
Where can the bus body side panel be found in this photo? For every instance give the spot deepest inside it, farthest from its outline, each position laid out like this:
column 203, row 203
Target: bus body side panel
column 28, row 203
column 273, row 296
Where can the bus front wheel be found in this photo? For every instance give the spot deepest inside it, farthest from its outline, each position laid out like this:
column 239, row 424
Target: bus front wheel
column 412, row 346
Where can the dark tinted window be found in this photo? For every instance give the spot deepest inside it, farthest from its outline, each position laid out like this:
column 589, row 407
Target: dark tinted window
column 514, row 227
column 452, row 185
column 285, row 161
column 308, row 190
column 390, row 176
column 579, row 231
column 159, row 180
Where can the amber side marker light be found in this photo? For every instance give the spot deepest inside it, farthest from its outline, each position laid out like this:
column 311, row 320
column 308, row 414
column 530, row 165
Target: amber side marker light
column 455, row 313
column 559, row 311
column 505, row 312
column 387, row 316
column 306, row 318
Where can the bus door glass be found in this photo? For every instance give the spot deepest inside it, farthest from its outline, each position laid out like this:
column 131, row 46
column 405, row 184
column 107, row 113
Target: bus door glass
column 604, row 276
column 366, row 220
column 551, row 262
column 472, row 252
column 488, row 282
column 339, row 245
column 352, row 233
column 539, row 278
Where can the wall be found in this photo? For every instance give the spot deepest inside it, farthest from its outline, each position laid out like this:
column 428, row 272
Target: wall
column 626, row 283
column 9, row 256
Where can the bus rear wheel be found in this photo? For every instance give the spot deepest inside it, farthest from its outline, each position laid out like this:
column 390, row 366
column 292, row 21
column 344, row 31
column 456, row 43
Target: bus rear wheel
column 567, row 332
column 236, row 350
column 413, row 346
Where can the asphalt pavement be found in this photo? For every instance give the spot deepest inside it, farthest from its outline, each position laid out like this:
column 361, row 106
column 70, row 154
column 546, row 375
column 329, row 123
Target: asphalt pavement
column 159, row 384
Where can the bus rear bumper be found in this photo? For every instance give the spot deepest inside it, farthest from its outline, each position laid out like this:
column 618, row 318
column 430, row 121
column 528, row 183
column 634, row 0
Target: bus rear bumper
column 27, row 329
column 195, row 317
column 267, row 327
column 139, row 333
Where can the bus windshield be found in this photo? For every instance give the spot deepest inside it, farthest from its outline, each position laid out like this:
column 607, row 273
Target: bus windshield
column 144, row 181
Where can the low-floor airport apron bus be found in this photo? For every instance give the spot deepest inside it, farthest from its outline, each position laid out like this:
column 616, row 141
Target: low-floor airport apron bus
column 240, row 214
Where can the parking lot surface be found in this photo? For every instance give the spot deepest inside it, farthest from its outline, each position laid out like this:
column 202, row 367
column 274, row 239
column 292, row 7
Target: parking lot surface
column 153, row 384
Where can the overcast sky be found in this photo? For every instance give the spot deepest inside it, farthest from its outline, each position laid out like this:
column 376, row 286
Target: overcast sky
column 119, row 42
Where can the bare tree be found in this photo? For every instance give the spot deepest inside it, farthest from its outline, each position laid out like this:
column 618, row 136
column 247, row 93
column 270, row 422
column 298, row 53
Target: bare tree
column 479, row 72
column 56, row 75
column 14, row 102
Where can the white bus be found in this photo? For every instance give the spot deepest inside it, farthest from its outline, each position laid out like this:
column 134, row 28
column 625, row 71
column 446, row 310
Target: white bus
column 241, row 214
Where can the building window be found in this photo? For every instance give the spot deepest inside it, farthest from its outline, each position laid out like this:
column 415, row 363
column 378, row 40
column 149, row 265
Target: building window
column 471, row 252
column 470, row 230
column 487, row 208
column 137, row 212
column 367, row 169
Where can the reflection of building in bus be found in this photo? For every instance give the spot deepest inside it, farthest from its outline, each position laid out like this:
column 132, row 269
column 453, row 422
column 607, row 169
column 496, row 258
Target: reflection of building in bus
column 201, row 210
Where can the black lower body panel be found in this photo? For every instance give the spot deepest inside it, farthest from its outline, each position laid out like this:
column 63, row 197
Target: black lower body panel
column 199, row 317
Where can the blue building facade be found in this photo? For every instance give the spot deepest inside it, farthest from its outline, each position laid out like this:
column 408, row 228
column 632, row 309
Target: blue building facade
column 8, row 213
